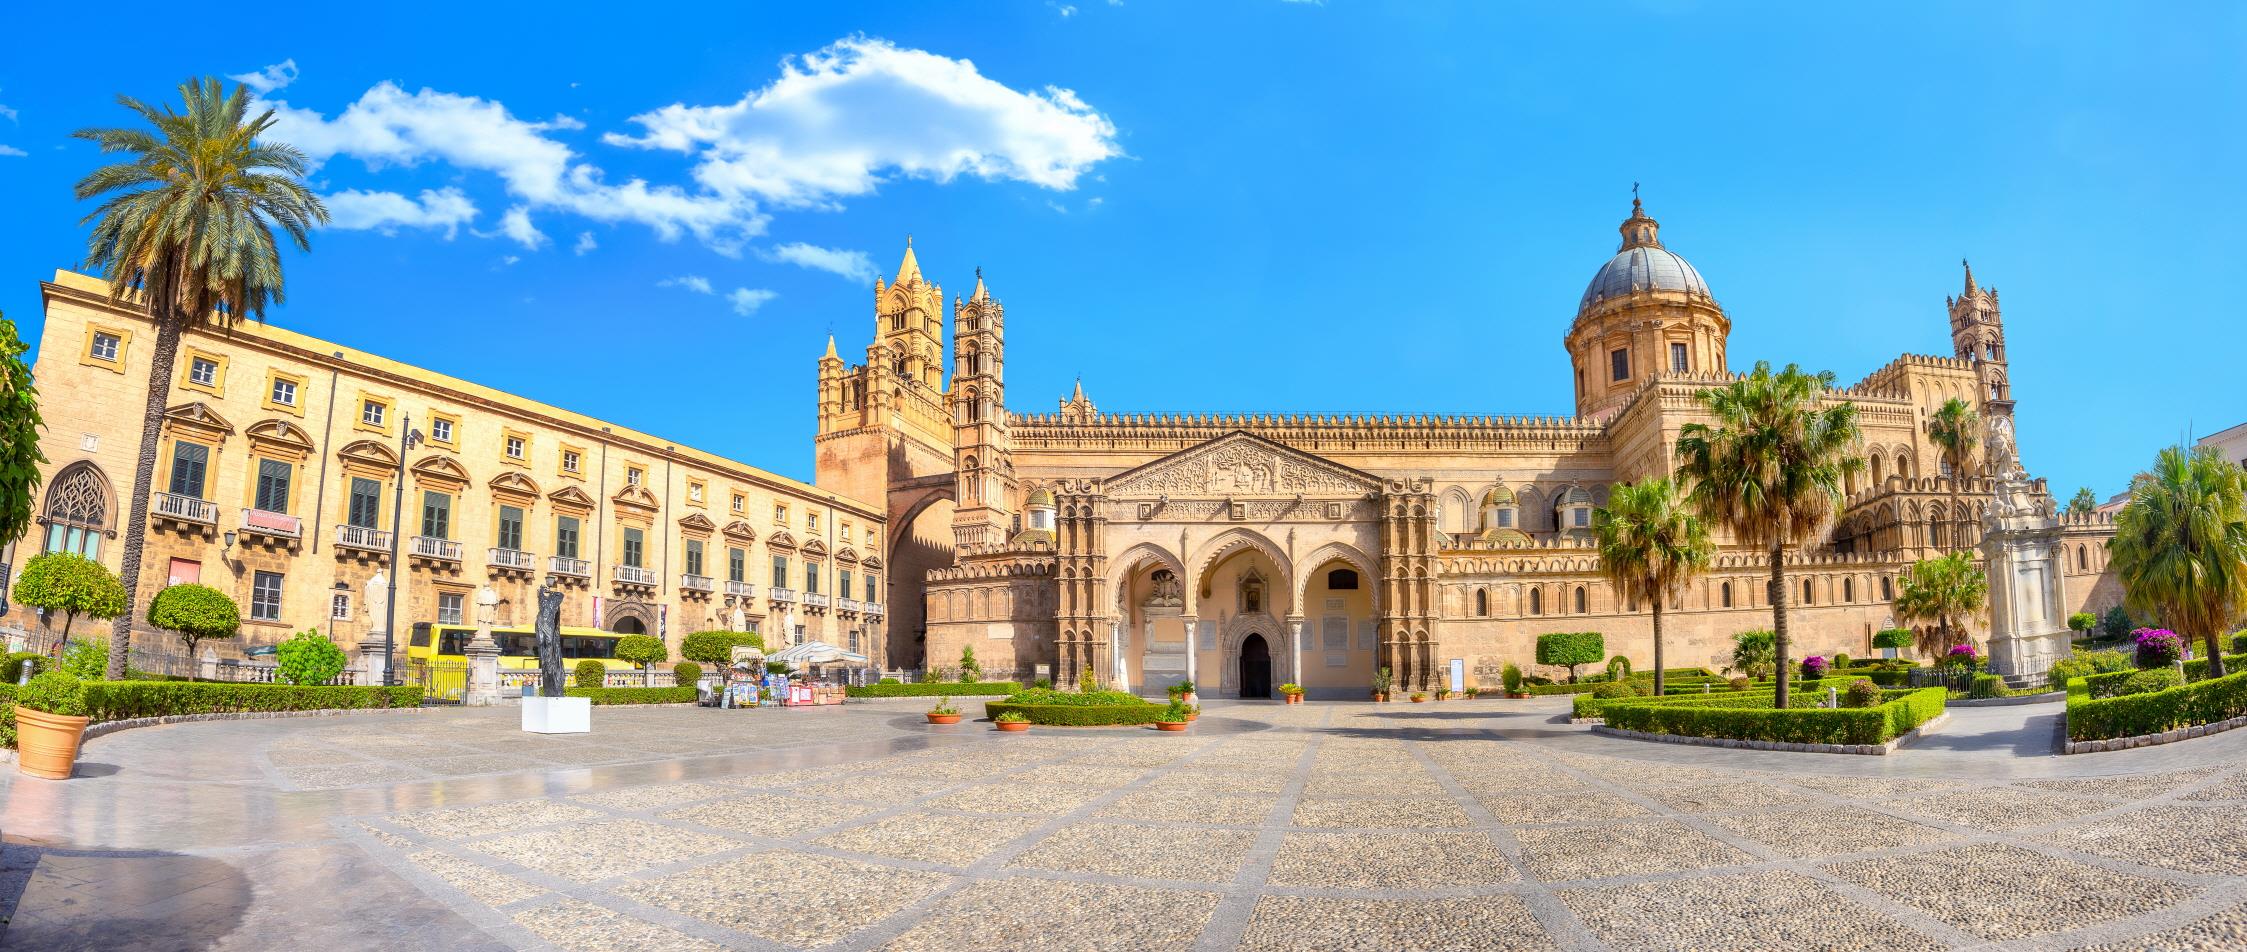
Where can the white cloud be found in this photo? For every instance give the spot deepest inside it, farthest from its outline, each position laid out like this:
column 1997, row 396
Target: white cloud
column 849, row 264
column 1066, row 10
column 509, row 260
column 9, row 150
column 585, row 242
column 692, row 282
column 516, row 224
column 271, row 78
column 838, row 120
column 746, row 301
column 386, row 212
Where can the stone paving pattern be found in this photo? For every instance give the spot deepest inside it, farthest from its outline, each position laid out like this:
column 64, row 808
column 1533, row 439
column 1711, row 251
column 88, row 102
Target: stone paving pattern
column 1465, row 825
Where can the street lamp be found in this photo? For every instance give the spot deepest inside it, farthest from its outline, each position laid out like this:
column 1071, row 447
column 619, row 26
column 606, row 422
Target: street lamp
column 408, row 438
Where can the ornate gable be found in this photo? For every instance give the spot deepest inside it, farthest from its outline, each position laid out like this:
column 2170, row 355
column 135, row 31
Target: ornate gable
column 281, row 438
column 514, row 488
column 636, row 497
column 1241, row 464
column 199, row 420
column 571, row 497
column 441, row 469
column 697, row 522
column 741, row 530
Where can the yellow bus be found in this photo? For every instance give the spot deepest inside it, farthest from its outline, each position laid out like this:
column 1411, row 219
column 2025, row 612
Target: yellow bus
column 437, row 645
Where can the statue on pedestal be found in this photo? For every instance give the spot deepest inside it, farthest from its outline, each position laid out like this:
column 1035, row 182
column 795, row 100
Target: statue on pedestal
column 374, row 667
column 483, row 653
column 549, row 631
column 2021, row 551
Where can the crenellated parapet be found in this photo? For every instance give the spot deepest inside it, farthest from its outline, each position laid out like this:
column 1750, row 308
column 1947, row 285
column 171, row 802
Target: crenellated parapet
column 1172, row 431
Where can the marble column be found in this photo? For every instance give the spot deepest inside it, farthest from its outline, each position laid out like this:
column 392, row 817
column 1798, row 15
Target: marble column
column 1120, row 672
column 1295, row 650
column 1193, row 648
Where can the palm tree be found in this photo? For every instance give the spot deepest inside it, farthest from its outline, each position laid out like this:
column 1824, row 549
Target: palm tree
column 1953, row 429
column 2180, row 545
column 187, row 222
column 1942, row 590
column 1771, row 468
column 1650, row 545
column 2084, row 502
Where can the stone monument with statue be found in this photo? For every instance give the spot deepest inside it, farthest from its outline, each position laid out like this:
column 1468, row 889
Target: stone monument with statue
column 2021, row 552
column 551, row 712
column 483, row 653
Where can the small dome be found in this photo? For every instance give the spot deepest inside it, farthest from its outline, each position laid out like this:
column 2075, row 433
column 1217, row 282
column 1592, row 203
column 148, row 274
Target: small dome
column 1040, row 497
column 1033, row 536
column 1498, row 495
column 1576, row 496
column 1645, row 268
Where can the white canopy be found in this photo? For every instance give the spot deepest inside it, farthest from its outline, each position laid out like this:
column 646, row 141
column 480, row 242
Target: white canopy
column 816, row 652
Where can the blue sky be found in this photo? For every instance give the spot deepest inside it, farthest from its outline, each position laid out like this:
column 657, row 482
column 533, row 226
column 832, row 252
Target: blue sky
column 1217, row 206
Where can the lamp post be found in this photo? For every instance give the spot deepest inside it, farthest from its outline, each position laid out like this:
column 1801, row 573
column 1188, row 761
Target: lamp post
column 408, row 438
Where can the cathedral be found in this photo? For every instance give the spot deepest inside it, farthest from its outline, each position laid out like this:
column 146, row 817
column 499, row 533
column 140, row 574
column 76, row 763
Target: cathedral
column 1247, row 550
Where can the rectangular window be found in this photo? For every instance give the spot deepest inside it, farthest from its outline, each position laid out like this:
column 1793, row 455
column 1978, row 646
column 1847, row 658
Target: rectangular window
column 737, row 565
column 441, row 430
column 739, row 501
column 694, row 556
column 517, row 447
column 780, row 571
column 1505, row 518
column 265, row 596
column 565, row 536
column 273, row 485
column 372, row 412
column 869, row 588
column 634, row 541
column 811, row 522
column 694, row 492
column 811, row 576
column 1583, row 517
column 449, row 608
column 571, row 460
column 780, row 515
column 1677, row 357
column 1620, row 362
column 510, row 527
column 104, row 347
column 436, row 514
column 189, row 462
column 842, row 583
column 366, row 503
column 632, row 475
column 339, row 607
column 284, row 392
column 202, row 371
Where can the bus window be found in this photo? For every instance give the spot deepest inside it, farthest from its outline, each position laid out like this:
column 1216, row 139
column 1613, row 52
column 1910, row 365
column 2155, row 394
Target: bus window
column 421, row 634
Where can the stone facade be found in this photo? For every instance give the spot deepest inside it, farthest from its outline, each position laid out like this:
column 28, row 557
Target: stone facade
column 280, row 464
column 1246, row 550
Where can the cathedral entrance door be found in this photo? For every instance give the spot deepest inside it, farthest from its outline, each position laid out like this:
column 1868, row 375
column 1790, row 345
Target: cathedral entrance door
column 1256, row 667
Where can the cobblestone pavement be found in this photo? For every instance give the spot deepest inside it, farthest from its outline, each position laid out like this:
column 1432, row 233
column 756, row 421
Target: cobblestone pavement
column 1462, row 825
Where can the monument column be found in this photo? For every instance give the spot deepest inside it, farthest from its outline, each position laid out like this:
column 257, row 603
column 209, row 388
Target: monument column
column 1193, row 648
column 374, row 667
column 2021, row 552
column 483, row 653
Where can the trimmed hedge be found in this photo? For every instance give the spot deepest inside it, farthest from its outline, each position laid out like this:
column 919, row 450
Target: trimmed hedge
column 2131, row 715
column 683, row 694
column 936, row 689
column 1899, row 713
column 1806, row 694
column 1079, row 715
column 120, row 700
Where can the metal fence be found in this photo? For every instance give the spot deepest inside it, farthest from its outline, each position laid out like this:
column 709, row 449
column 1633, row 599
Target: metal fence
column 152, row 652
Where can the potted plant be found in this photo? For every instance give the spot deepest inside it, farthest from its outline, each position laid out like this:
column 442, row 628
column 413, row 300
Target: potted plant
column 1292, row 692
column 1419, row 697
column 1193, row 712
column 50, row 721
column 1013, row 722
column 1186, row 692
column 944, row 713
column 1173, row 718
column 1381, row 680
column 1443, row 694
column 1510, row 678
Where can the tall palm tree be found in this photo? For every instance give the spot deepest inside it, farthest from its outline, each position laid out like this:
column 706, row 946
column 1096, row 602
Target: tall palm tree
column 2180, row 545
column 185, row 230
column 1945, row 589
column 1771, row 467
column 1650, row 545
column 1955, row 429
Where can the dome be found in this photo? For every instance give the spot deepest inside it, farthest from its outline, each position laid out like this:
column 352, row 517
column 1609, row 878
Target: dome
column 1039, row 497
column 1498, row 495
column 1644, row 268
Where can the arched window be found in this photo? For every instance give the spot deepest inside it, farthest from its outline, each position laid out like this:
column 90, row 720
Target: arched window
column 1482, row 603
column 2082, row 562
column 1724, row 594
column 1342, row 580
column 1536, row 601
column 77, row 511
column 1806, row 599
column 1887, row 590
column 1580, row 600
column 1849, row 590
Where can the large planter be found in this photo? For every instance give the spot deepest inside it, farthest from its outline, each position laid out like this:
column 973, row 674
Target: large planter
column 1011, row 727
column 944, row 718
column 1171, row 726
column 47, row 744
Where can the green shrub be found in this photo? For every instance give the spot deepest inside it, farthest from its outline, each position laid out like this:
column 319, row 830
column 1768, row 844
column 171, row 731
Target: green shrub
column 683, row 694
column 935, row 689
column 1618, row 668
column 1613, row 689
column 1568, row 649
column 1861, row 693
column 1038, row 696
column 2239, row 642
column 1739, row 684
column 11, row 667
column 195, row 612
column 1755, row 653
column 1897, row 638
column 895, row 681
column 2088, row 663
column 1012, row 717
column 2148, row 681
column 1510, row 676
column 308, row 658
column 119, row 700
column 1081, row 715
column 715, row 648
column 970, row 671
column 1045, row 683
column 686, row 673
column 2132, row 715
column 1840, row 662
column 86, row 659
column 590, row 673
column 2082, row 622
column 1897, row 714
column 54, row 693
column 1987, row 686
column 2116, row 623
column 641, row 651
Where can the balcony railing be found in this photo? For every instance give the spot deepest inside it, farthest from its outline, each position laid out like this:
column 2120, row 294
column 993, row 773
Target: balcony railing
column 187, row 508
column 697, row 583
column 272, row 523
column 743, row 589
column 513, row 558
column 782, row 594
column 815, row 600
column 564, row 565
column 874, row 608
column 635, row 575
column 851, row 605
column 361, row 537
column 429, row 547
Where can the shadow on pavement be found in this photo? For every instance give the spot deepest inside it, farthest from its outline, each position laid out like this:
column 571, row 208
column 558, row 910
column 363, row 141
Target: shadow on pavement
column 101, row 899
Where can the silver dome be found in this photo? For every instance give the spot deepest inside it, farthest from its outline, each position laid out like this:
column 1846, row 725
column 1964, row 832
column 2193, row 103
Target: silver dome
column 1643, row 268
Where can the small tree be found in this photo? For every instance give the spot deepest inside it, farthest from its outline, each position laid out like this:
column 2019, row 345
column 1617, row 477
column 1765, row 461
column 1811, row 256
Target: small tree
column 1571, row 648
column 2084, row 503
column 1897, row 638
column 1755, row 653
column 590, row 673
column 19, row 437
column 2116, row 624
column 2081, row 623
column 72, row 584
column 308, row 658
column 195, row 612
column 643, row 651
column 715, row 648
column 969, row 670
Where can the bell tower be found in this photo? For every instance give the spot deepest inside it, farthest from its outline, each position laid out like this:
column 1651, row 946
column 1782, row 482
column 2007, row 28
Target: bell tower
column 1978, row 337
column 983, row 457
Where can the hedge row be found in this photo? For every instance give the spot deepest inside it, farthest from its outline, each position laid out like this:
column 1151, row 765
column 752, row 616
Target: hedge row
column 2131, row 715
column 1079, row 715
column 1805, row 692
column 1902, row 711
column 936, row 689
column 120, row 700
column 674, row 695
column 1671, row 678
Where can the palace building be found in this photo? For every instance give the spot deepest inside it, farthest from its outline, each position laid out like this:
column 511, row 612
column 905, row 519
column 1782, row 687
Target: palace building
column 1244, row 550
column 279, row 476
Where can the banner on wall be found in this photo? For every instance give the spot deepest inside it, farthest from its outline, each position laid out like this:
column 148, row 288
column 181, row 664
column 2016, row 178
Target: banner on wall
column 662, row 620
column 599, row 620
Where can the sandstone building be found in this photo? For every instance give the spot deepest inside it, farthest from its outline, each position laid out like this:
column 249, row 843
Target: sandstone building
column 1246, row 550
column 280, row 461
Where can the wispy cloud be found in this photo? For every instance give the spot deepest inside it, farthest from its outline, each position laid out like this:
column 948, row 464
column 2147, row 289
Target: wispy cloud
column 850, row 264
column 692, row 282
column 746, row 301
column 386, row 212
column 269, row 79
column 12, row 151
column 585, row 243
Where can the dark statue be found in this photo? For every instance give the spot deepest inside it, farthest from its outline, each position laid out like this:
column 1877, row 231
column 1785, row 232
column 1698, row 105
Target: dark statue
column 549, row 635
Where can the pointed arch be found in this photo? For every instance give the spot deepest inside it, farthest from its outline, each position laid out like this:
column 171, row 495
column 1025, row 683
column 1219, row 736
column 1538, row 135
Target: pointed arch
column 1225, row 543
column 1129, row 562
column 1329, row 552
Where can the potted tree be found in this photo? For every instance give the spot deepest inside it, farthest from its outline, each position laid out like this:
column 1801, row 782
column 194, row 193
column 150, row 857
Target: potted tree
column 1382, row 678
column 944, row 713
column 50, row 721
column 1292, row 692
column 1012, row 722
column 1173, row 718
column 1510, row 678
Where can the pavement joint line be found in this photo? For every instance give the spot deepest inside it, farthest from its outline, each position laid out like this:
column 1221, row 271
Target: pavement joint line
column 1560, row 925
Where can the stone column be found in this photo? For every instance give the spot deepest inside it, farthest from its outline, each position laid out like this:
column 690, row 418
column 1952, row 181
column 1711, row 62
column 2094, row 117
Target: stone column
column 1193, row 649
column 1119, row 671
column 483, row 654
column 2022, row 553
column 1295, row 650
column 373, row 666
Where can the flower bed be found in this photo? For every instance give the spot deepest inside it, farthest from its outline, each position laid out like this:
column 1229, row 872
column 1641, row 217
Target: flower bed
column 2133, row 715
column 1079, row 715
column 672, row 695
column 1900, row 712
column 935, row 689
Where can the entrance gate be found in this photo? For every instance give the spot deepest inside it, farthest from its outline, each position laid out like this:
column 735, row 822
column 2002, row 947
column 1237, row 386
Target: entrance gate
column 1256, row 667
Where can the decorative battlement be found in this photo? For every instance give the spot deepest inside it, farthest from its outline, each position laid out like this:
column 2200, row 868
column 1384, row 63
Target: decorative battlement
column 1308, row 431
column 990, row 564
column 1887, row 381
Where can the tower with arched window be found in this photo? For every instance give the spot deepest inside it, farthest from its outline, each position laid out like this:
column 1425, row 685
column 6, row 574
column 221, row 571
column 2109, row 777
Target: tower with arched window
column 978, row 404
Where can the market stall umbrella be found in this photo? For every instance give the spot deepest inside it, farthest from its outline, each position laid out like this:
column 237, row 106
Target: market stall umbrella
column 816, row 652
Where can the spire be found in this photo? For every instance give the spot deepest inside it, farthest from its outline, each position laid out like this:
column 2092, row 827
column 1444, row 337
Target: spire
column 1971, row 287
column 1078, row 397
column 910, row 268
column 1639, row 231
column 980, row 293
column 831, row 355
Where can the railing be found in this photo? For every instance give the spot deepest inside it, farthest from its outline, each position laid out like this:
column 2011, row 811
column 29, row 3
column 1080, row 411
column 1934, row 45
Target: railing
column 782, row 594
column 272, row 523
column 743, row 589
column 513, row 558
column 188, row 508
column 848, row 605
column 635, row 575
column 433, row 548
column 697, row 583
column 253, row 673
column 874, row 608
column 361, row 537
column 815, row 600
column 564, row 565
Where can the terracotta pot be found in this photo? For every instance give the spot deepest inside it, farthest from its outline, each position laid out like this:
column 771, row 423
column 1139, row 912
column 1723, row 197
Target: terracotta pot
column 1295, row 699
column 1013, row 727
column 1190, row 698
column 944, row 718
column 1197, row 715
column 1172, row 726
column 1379, row 697
column 1419, row 700
column 47, row 744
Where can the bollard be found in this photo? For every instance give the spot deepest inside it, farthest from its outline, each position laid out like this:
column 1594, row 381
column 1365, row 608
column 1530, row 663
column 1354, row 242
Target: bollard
column 1833, row 698
column 1704, row 687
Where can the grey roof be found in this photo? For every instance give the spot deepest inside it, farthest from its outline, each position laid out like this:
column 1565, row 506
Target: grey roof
column 1643, row 268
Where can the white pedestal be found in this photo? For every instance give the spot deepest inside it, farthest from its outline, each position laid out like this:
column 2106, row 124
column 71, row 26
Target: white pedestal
column 558, row 715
